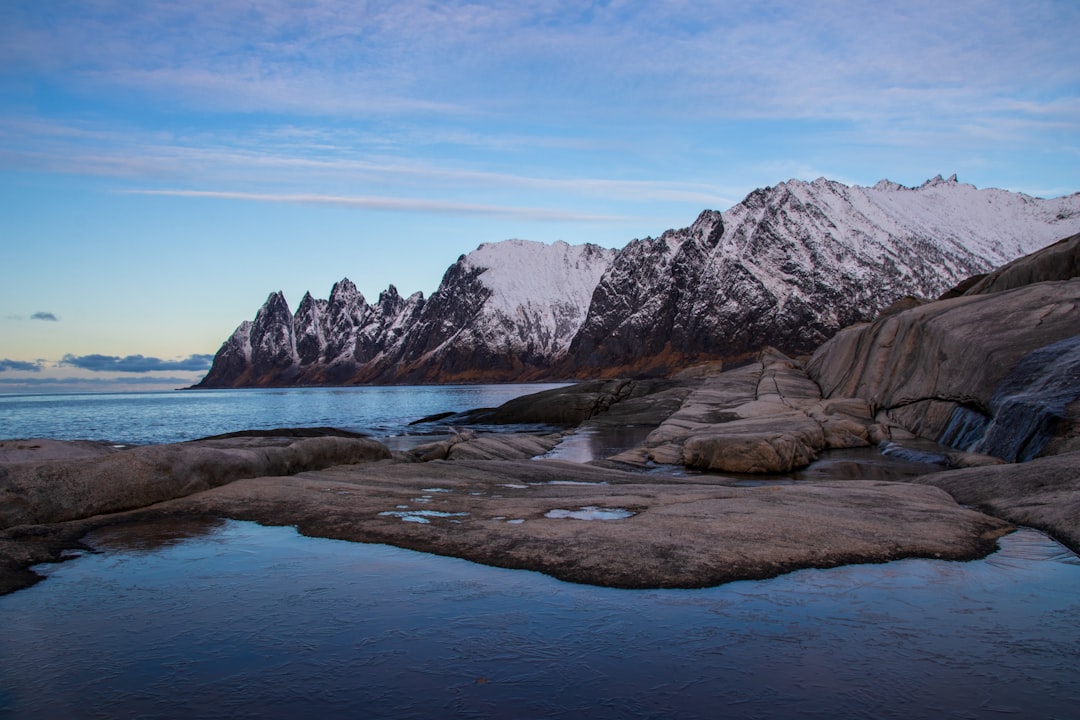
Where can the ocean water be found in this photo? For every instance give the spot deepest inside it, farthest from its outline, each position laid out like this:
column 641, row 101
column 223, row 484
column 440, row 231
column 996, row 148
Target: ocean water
column 232, row 620
column 226, row 619
column 161, row 417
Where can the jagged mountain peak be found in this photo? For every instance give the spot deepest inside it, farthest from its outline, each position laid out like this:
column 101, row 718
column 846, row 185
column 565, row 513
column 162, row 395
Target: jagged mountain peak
column 787, row 266
column 938, row 180
column 345, row 292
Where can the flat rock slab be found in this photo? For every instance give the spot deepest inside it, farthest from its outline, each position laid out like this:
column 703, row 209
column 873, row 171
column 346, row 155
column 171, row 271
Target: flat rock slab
column 1043, row 493
column 69, row 481
column 680, row 533
column 44, row 449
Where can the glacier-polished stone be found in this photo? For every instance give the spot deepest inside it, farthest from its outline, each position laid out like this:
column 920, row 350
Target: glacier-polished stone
column 688, row 530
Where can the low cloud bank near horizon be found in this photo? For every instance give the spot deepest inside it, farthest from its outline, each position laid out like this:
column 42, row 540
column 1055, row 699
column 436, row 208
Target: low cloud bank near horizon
column 47, row 316
column 22, row 365
column 73, row 384
column 136, row 363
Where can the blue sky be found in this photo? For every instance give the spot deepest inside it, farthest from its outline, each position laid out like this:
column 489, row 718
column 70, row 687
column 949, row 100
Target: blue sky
column 166, row 165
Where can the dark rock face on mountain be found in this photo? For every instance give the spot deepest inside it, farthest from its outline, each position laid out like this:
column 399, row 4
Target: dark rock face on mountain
column 787, row 267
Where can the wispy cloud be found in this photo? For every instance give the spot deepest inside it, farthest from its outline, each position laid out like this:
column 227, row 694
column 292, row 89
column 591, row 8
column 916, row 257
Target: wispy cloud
column 290, row 160
column 394, row 204
column 48, row 316
column 778, row 59
column 136, row 363
column 19, row 365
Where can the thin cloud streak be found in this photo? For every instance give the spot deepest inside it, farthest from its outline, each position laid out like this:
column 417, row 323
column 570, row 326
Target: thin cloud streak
column 46, row 316
column 394, row 205
column 706, row 59
column 144, row 156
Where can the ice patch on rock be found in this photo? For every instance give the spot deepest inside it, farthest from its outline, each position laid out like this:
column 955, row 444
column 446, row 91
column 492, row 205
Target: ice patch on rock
column 569, row 482
column 590, row 512
column 422, row 516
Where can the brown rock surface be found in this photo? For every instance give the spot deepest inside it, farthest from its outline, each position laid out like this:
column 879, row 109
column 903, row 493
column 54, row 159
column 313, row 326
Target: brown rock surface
column 1043, row 493
column 684, row 533
column 765, row 417
column 40, row 491
column 920, row 363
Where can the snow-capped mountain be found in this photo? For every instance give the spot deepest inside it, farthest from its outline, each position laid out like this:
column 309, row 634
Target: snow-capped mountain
column 792, row 264
column 788, row 266
column 504, row 310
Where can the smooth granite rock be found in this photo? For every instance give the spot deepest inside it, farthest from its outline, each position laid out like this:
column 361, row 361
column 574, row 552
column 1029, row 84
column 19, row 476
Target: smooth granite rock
column 920, row 364
column 49, row 491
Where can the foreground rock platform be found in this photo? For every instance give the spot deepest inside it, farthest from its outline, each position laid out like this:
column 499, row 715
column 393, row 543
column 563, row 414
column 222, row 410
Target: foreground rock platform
column 680, row 530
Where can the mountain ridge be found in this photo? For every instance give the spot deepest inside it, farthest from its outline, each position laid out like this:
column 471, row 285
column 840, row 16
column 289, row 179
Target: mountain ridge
column 788, row 266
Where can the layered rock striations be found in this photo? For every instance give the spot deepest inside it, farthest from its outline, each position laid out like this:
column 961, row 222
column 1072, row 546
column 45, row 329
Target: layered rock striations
column 995, row 370
column 787, row 267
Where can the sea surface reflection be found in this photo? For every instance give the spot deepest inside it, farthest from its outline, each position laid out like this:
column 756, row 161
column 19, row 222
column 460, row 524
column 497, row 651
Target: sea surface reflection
column 230, row 619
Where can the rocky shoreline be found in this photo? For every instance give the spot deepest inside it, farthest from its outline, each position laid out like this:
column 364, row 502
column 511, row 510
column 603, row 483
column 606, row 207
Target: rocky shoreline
column 490, row 499
column 994, row 369
column 487, row 502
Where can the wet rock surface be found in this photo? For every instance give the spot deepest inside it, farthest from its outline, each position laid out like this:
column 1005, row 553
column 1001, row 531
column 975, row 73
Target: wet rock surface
column 675, row 509
column 484, row 501
column 682, row 533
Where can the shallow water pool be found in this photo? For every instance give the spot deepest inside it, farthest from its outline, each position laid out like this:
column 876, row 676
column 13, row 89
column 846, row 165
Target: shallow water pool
column 230, row 619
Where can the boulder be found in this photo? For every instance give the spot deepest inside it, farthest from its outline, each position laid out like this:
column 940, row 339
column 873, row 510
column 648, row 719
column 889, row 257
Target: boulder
column 769, row 444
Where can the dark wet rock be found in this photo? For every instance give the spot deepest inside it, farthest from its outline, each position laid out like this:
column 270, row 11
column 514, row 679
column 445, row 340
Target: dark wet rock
column 1027, row 408
column 566, row 406
column 303, row 432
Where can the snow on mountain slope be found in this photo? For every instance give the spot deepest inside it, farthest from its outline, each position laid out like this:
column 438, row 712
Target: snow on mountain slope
column 539, row 293
column 798, row 261
column 788, row 266
column 504, row 310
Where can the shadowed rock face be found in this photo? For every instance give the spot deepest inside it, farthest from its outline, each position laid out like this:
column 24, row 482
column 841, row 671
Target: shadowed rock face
column 1026, row 410
column 921, row 364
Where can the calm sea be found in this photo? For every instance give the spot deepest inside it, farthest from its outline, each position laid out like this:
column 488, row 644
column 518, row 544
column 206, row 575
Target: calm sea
column 224, row 619
column 242, row 621
column 160, row 417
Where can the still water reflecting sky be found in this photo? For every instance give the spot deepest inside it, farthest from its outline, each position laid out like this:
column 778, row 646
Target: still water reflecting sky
column 243, row 621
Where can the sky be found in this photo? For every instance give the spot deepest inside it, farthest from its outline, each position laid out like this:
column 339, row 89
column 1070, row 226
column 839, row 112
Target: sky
column 164, row 166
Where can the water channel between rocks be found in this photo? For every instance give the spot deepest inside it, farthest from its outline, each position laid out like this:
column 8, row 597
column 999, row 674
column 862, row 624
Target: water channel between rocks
column 230, row 619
